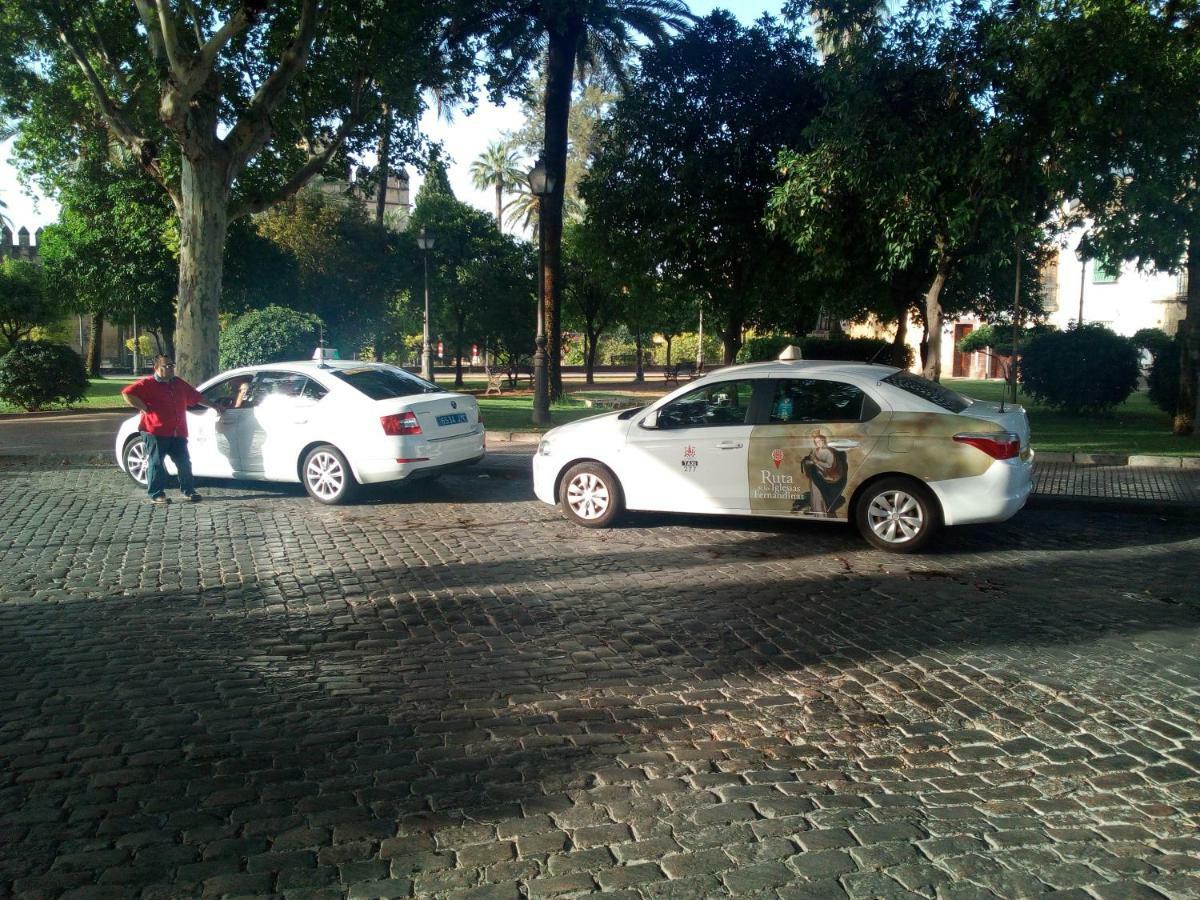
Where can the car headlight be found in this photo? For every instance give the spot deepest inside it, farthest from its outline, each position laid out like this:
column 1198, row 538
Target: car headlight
column 543, row 448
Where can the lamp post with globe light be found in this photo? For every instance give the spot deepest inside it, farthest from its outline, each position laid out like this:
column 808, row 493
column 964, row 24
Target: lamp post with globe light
column 425, row 242
column 541, row 185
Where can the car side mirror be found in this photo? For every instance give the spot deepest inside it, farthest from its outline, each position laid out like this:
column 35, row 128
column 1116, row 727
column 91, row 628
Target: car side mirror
column 650, row 421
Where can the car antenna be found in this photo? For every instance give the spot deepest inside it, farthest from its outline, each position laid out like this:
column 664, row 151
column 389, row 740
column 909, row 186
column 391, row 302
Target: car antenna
column 885, row 345
column 319, row 356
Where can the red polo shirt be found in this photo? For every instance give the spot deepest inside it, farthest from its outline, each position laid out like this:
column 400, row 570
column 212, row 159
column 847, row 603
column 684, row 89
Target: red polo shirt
column 166, row 404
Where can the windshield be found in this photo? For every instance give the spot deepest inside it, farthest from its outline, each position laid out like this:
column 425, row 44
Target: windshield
column 384, row 384
column 928, row 390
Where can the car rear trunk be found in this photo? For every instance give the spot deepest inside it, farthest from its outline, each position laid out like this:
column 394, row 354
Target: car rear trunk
column 440, row 416
column 1013, row 417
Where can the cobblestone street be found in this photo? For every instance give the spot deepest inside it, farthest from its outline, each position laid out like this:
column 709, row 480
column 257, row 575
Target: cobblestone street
column 449, row 691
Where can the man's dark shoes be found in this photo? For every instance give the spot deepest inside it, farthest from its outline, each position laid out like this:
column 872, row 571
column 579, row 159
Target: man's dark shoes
column 160, row 500
column 193, row 497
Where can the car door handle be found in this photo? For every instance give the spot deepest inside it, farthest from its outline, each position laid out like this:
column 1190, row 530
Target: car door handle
column 729, row 445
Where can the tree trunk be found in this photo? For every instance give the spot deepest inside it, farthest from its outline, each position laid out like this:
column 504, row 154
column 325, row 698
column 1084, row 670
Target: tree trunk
column 499, row 206
column 900, row 341
column 94, row 344
column 639, row 372
column 593, row 339
column 933, row 325
column 731, row 339
column 1186, row 410
column 460, row 327
column 556, row 102
column 667, row 338
column 202, row 227
column 385, row 151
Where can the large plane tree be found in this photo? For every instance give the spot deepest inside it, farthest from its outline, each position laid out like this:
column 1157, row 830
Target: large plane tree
column 229, row 106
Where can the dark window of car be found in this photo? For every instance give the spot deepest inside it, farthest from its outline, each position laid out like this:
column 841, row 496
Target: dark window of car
column 232, row 393
column 384, row 384
column 928, row 390
column 314, row 390
column 818, row 400
column 724, row 403
column 273, row 385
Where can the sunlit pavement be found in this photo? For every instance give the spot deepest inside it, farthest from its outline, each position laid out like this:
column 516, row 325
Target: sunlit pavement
column 447, row 690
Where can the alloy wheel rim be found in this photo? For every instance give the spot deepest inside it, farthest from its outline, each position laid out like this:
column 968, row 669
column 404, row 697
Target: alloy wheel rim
column 137, row 462
column 895, row 517
column 325, row 475
column 588, row 496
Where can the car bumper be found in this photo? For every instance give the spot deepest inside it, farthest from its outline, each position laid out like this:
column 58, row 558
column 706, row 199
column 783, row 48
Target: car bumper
column 438, row 457
column 545, row 471
column 996, row 495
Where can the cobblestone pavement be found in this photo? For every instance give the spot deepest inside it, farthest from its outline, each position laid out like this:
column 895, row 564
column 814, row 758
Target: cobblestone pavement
column 1117, row 482
column 449, row 691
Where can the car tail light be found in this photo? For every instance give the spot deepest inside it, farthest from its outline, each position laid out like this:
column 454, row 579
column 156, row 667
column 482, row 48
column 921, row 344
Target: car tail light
column 400, row 424
column 996, row 444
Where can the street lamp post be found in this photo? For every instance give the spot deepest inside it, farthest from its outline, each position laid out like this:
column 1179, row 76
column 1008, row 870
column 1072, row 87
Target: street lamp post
column 425, row 242
column 541, row 185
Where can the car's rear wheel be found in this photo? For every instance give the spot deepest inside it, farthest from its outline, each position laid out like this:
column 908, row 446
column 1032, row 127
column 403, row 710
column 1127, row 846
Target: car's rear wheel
column 591, row 495
column 327, row 476
column 136, row 459
column 898, row 515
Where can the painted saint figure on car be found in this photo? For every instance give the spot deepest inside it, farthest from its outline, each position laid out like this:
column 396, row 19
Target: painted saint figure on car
column 826, row 470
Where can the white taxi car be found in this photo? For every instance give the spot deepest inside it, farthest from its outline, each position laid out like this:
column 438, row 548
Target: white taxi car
column 896, row 454
column 330, row 425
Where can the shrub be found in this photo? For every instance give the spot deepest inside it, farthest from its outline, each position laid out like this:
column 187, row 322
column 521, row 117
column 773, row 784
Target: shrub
column 1083, row 370
column 1155, row 340
column 272, row 334
column 683, row 349
column 1164, row 377
column 856, row 350
column 762, row 347
column 34, row 374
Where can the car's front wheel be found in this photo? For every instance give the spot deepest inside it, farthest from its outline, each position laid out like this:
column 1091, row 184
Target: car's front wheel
column 136, row 459
column 327, row 476
column 591, row 495
column 898, row 515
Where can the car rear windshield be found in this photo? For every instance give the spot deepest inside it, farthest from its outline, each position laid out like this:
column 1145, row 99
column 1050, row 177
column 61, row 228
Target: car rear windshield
column 928, row 390
column 384, row 384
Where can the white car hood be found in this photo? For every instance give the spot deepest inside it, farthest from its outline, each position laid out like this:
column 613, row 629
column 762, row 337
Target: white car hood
column 591, row 429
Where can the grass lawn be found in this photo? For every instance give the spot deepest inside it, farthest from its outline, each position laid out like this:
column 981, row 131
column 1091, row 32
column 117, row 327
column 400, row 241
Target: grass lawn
column 1136, row 426
column 103, row 393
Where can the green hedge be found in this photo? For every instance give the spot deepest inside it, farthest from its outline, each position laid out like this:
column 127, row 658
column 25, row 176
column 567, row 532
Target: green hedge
column 34, row 374
column 1082, row 370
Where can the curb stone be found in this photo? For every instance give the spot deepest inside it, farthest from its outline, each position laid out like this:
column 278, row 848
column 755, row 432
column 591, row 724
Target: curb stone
column 1120, row 459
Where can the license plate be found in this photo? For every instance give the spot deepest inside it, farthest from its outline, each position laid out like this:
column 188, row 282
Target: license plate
column 452, row 419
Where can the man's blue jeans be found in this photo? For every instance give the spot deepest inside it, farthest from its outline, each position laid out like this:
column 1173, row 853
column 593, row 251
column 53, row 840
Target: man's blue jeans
column 156, row 476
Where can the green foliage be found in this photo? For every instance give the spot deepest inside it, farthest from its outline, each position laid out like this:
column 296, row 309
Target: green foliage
column 998, row 338
column 269, row 335
column 686, row 166
column 1153, row 340
column 683, row 349
column 34, row 374
column 762, row 347
column 25, row 303
column 1082, row 370
column 855, row 350
column 1164, row 376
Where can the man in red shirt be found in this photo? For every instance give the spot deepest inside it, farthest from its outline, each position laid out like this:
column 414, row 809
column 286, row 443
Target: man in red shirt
column 163, row 400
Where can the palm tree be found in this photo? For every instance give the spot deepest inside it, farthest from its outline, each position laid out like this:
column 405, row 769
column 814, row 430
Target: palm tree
column 568, row 35
column 497, row 167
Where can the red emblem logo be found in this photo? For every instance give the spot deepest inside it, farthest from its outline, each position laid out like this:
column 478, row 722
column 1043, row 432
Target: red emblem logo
column 777, row 458
column 689, row 452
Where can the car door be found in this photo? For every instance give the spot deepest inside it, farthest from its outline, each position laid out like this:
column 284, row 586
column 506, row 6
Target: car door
column 212, row 439
column 277, row 428
column 808, row 451
column 690, row 456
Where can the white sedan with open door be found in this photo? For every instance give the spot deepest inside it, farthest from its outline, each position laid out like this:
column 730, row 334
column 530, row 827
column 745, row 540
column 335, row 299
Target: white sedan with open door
column 332, row 426
column 895, row 454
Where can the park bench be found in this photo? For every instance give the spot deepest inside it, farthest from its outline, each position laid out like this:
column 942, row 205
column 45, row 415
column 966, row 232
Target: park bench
column 517, row 371
column 675, row 371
